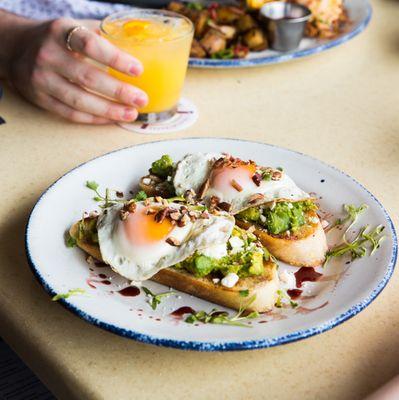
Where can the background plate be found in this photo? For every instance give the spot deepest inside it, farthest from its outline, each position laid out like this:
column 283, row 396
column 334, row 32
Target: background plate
column 351, row 287
column 359, row 12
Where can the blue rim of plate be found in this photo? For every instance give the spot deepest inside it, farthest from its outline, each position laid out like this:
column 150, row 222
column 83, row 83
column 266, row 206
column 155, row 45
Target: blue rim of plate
column 283, row 57
column 222, row 346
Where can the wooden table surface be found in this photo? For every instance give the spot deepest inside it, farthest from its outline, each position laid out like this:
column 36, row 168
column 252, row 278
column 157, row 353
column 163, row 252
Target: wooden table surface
column 340, row 106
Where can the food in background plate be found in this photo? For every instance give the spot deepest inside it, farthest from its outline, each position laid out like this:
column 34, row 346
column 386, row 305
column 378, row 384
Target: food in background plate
column 283, row 215
column 328, row 18
column 232, row 31
column 184, row 247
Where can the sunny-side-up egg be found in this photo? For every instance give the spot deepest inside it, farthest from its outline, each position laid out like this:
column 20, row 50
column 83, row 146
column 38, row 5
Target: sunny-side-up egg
column 240, row 184
column 138, row 244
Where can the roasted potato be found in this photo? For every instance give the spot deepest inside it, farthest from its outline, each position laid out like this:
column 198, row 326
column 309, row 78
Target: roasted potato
column 255, row 39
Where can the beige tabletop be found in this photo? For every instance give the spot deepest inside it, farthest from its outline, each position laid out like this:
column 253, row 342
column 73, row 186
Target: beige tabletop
column 340, row 106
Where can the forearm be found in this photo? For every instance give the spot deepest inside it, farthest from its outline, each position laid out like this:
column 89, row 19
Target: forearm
column 12, row 34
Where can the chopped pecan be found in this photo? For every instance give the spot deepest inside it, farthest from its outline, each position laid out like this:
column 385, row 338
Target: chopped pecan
column 257, row 178
column 213, row 202
column 189, row 195
column 131, row 207
column 173, row 241
column 175, row 215
column 158, row 199
column 119, row 194
column 161, row 215
column 236, row 185
column 224, row 206
column 123, row 214
column 276, row 175
column 183, row 221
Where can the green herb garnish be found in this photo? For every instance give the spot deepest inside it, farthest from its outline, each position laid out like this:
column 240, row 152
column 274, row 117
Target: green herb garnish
column 244, row 293
column 223, row 317
column 225, row 54
column 140, row 196
column 283, row 298
column 72, row 292
column 155, row 299
column 195, row 6
column 352, row 214
column 106, row 200
column 357, row 248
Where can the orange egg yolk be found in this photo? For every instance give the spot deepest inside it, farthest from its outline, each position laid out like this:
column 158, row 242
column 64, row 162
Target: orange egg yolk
column 222, row 178
column 142, row 229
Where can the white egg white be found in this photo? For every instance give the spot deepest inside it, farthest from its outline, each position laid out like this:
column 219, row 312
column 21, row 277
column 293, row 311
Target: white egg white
column 140, row 262
column 193, row 170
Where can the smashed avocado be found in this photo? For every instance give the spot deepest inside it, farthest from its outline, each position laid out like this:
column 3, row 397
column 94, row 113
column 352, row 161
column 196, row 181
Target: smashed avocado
column 87, row 230
column 163, row 167
column 244, row 263
column 284, row 216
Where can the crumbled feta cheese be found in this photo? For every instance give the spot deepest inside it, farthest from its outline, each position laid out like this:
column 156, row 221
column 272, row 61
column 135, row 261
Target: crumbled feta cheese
column 230, row 280
column 215, row 280
column 216, row 251
column 236, row 244
column 287, row 279
column 324, row 223
column 273, row 205
column 146, row 181
column 314, row 220
column 262, row 218
column 289, row 205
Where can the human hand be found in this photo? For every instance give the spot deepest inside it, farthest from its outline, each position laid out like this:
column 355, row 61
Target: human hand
column 44, row 71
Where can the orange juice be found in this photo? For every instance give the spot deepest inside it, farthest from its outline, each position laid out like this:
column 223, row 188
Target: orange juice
column 161, row 40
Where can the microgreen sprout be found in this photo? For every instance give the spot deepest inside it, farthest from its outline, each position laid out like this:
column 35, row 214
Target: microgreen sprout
column 155, row 299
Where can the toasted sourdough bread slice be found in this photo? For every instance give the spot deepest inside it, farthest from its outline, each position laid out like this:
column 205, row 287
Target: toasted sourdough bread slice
column 305, row 249
column 264, row 287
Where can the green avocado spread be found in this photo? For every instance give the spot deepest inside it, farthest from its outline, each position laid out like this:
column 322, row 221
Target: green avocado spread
column 282, row 217
column 248, row 261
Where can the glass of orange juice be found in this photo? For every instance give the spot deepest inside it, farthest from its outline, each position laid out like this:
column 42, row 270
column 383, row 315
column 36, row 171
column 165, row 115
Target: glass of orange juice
column 161, row 40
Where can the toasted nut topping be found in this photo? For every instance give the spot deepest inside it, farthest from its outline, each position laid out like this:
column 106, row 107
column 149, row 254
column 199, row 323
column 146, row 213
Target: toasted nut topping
column 158, row 199
column 183, row 221
column 173, row 241
column 161, row 215
column 236, row 185
column 165, row 202
column 189, row 195
column 257, row 179
column 224, row 206
column 276, row 175
column 119, row 194
column 151, row 211
column 175, row 215
column 213, row 202
column 147, row 202
column 131, row 207
column 123, row 214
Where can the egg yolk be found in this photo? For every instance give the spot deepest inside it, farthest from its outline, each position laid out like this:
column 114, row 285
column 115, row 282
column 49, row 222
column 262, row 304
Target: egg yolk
column 223, row 179
column 142, row 229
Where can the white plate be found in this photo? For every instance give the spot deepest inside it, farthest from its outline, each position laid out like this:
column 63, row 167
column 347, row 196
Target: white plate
column 359, row 12
column 343, row 292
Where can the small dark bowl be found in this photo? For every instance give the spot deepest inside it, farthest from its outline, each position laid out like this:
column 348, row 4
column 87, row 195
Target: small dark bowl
column 285, row 24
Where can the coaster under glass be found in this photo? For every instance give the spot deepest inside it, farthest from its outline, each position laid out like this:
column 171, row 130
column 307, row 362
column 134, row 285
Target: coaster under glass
column 152, row 118
column 185, row 115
